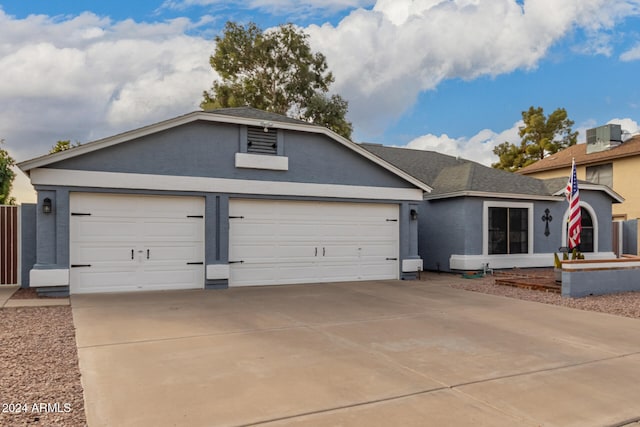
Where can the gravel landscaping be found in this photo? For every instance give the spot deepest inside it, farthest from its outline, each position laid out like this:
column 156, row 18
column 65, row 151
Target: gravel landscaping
column 624, row 304
column 40, row 378
column 39, row 374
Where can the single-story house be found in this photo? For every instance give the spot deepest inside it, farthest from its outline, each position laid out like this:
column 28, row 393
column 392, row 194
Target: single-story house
column 231, row 197
column 239, row 196
column 476, row 215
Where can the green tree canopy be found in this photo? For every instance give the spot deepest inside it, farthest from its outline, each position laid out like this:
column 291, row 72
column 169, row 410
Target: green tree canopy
column 275, row 71
column 541, row 137
column 62, row 145
column 6, row 176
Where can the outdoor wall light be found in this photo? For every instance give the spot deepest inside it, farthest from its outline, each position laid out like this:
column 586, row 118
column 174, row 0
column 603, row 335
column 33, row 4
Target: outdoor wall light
column 266, row 126
column 414, row 214
column 46, row 206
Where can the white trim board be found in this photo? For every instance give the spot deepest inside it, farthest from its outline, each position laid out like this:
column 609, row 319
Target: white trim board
column 261, row 161
column 475, row 262
column 53, row 277
column 119, row 180
column 499, row 204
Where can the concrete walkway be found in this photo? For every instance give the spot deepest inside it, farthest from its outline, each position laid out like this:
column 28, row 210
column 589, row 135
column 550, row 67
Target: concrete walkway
column 6, row 292
column 352, row 354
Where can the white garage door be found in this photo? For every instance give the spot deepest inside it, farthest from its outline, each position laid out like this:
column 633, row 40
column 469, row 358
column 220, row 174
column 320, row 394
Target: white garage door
column 130, row 243
column 281, row 242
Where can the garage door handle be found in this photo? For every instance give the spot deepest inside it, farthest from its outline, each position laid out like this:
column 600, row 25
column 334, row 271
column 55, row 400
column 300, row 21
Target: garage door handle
column 316, row 252
column 236, row 262
column 195, row 263
column 80, row 265
column 392, row 259
column 323, row 251
column 131, row 253
column 147, row 253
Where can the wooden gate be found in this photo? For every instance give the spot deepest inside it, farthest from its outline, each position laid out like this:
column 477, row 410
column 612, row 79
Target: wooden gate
column 9, row 232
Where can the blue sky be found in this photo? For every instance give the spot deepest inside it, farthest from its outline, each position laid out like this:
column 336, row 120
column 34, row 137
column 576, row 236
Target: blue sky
column 445, row 75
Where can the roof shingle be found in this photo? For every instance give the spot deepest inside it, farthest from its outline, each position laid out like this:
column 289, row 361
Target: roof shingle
column 447, row 174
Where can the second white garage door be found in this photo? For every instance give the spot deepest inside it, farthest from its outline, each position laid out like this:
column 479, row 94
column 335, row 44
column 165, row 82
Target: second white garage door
column 133, row 242
column 284, row 242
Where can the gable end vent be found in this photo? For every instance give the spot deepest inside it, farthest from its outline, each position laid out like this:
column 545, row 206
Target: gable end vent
column 261, row 142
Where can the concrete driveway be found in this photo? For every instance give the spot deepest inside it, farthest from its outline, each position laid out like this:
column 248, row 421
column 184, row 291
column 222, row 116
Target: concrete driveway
column 364, row 354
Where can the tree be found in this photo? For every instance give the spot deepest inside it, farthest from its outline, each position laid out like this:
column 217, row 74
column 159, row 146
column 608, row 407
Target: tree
column 62, row 145
column 6, row 176
column 275, row 71
column 541, row 137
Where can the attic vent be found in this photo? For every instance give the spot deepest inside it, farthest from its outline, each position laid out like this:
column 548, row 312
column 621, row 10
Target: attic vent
column 603, row 138
column 261, row 142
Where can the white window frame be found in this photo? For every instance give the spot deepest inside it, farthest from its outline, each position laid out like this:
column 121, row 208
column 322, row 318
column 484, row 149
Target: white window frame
column 594, row 219
column 485, row 225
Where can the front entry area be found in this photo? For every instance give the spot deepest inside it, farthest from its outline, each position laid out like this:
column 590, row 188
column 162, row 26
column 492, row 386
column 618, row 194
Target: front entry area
column 124, row 243
column 284, row 242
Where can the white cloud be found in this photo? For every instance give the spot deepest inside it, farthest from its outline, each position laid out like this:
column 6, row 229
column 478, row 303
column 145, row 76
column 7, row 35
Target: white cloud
column 87, row 77
column 629, row 126
column 632, row 54
column 478, row 147
column 387, row 55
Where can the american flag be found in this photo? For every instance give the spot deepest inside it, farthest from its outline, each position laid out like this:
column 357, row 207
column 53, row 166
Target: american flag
column 573, row 197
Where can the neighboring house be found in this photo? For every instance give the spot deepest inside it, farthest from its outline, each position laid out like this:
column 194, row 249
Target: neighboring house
column 603, row 159
column 478, row 215
column 231, row 197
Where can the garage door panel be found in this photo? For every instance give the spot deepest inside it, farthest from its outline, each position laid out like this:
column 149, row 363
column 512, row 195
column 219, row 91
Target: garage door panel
column 273, row 253
column 100, row 280
column 160, row 278
column 305, row 242
column 377, row 250
column 91, row 254
column 106, row 230
column 112, row 225
column 175, row 255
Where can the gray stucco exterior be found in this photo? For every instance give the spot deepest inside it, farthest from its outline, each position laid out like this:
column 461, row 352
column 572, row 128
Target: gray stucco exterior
column 459, row 229
column 204, row 149
column 208, row 150
column 28, row 241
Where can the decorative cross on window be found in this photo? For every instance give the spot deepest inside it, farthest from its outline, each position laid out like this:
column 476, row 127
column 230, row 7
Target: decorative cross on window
column 547, row 219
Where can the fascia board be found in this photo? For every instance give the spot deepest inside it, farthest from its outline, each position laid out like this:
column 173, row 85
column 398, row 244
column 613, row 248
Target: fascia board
column 484, row 194
column 596, row 187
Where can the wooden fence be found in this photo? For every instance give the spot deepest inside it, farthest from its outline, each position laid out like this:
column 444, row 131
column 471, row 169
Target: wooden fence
column 9, row 234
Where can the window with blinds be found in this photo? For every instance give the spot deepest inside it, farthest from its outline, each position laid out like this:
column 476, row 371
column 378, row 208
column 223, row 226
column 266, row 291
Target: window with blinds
column 601, row 174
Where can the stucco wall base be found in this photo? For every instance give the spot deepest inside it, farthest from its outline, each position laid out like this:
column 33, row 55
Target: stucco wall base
column 598, row 277
column 476, row 262
column 53, row 291
column 217, row 284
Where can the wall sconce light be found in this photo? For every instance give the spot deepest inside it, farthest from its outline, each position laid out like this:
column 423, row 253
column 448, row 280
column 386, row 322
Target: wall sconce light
column 266, row 126
column 414, row 214
column 46, row 206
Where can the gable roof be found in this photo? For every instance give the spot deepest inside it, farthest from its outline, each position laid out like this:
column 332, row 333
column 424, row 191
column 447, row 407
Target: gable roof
column 454, row 177
column 562, row 159
column 242, row 116
column 451, row 176
column 557, row 186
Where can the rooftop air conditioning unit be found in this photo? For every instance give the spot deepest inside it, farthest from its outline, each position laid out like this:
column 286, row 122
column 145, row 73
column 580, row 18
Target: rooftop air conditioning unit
column 603, row 138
